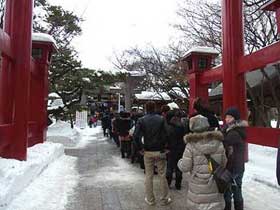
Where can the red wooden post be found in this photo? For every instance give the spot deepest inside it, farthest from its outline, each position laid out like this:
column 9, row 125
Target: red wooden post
column 21, row 31
column 234, row 88
column 6, row 83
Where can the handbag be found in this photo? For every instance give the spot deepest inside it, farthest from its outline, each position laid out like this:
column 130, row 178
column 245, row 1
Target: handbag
column 222, row 176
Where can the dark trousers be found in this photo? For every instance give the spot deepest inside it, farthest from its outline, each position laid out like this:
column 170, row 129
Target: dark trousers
column 105, row 132
column 116, row 139
column 172, row 160
column 126, row 148
column 235, row 192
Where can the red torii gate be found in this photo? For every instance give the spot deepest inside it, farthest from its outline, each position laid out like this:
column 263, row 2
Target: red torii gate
column 23, row 82
column 234, row 66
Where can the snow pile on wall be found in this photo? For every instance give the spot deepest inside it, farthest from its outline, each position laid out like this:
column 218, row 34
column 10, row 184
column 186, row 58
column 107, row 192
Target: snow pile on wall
column 61, row 132
column 16, row 175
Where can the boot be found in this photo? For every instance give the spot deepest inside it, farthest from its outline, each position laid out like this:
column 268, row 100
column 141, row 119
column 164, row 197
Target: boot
column 169, row 180
column 228, row 206
column 178, row 186
column 238, row 205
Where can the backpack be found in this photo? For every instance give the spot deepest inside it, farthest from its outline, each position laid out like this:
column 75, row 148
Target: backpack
column 222, row 176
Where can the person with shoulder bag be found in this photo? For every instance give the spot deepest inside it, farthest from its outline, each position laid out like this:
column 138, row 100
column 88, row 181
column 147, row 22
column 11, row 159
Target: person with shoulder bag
column 203, row 192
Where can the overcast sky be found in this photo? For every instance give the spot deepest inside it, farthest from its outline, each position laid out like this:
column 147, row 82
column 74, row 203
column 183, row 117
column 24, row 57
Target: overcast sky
column 118, row 24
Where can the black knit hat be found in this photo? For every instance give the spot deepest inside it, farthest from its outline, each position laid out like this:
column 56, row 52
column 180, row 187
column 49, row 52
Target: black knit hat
column 234, row 112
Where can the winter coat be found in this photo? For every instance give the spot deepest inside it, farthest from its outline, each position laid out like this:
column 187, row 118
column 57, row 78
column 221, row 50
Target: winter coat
column 152, row 128
column 175, row 133
column 123, row 126
column 106, row 122
column 234, row 143
column 203, row 193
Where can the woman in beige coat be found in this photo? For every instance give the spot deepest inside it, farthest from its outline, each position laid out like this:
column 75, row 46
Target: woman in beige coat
column 203, row 193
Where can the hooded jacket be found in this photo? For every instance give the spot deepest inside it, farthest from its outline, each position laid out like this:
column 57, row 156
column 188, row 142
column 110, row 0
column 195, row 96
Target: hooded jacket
column 203, row 193
column 234, row 143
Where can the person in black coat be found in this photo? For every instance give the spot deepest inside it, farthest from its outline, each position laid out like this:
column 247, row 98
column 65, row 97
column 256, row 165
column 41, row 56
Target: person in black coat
column 152, row 128
column 106, row 124
column 175, row 132
column 124, row 124
column 234, row 142
column 114, row 131
column 136, row 155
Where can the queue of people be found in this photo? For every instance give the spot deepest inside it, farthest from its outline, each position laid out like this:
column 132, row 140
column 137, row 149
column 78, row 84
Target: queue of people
column 170, row 142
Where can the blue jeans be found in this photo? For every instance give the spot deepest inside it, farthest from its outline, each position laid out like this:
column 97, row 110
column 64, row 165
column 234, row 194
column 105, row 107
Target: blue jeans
column 236, row 190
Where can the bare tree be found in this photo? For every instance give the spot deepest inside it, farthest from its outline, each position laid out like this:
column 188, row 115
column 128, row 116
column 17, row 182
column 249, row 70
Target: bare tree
column 160, row 67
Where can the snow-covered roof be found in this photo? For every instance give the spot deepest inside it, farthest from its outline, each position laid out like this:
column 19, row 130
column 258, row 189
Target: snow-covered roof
column 133, row 73
column 55, row 104
column 54, row 95
column 137, row 73
column 204, row 50
column 115, row 88
column 86, row 79
column 178, row 92
column 147, row 95
column 173, row 105
column 41, row 37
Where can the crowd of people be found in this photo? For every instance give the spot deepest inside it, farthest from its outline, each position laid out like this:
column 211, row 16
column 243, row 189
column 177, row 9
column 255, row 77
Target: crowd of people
column 170, row 143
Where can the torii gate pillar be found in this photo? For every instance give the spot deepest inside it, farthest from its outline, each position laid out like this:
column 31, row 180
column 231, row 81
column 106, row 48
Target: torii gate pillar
column 234, row 86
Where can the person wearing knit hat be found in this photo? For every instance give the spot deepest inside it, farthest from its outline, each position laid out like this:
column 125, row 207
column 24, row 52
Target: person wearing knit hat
column 199, row 124
column 234, row 142
column 202, row 192
column 234, row 112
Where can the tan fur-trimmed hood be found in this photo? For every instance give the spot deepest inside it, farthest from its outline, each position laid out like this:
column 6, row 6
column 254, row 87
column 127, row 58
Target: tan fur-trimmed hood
column 209, row 135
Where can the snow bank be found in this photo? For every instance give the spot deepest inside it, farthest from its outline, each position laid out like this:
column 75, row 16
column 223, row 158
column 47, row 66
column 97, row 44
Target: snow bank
column 262, row 165
column 61, row 132
column 51, row 189
column 16, row 175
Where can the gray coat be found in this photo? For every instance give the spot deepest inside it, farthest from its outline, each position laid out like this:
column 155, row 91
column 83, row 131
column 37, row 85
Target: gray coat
column 203, row 192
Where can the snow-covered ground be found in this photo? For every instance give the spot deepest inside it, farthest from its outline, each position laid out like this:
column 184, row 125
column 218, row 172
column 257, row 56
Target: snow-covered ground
column 50, row 172
column 47, row 171
column 16, row 175
column 262, row 165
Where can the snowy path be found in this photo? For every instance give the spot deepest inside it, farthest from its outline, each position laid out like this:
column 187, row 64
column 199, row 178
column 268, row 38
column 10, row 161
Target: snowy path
column 108, row 182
